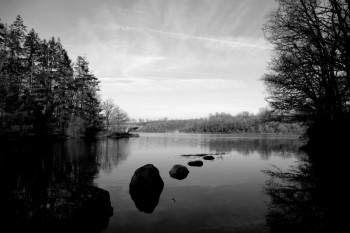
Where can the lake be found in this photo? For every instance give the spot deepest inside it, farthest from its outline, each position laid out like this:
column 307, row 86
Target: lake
column 224, row 195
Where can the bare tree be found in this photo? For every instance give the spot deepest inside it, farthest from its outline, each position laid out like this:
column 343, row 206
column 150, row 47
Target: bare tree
column 107, row 109
column 114, row 115
column 119, row 116
column 310, row 72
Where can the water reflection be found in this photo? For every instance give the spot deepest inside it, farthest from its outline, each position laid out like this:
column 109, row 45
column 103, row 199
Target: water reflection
column 113, row 152
column 266, row 147
column 308, row 197
column 41, row 182
column 48, row 187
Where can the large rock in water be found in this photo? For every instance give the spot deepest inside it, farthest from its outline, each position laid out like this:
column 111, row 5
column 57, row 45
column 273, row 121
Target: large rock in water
column 145, row 188
column 179, row 172
column 208, row 157
column 196, row 163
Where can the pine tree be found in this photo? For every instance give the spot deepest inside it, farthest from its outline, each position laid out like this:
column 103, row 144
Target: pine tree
column 63, row 94
column 32, row 53
column 3, row 79
column 13, row 70
column 88, row 104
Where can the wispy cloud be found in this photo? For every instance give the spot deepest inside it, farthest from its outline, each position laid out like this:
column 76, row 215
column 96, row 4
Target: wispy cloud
column 150, row 84
column 150, row 53
column 228, row 43
column 140, row 62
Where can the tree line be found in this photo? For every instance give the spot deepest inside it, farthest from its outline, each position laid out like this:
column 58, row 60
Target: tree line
column 41, row 91
column 309, row 73
column 244, row 122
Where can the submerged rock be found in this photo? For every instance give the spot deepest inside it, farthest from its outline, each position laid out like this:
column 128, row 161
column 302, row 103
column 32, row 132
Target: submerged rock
column 196, row 163
column 94, row 211
column 179, row 172
column 208, row 157
column 74, row 208
column 145, row 188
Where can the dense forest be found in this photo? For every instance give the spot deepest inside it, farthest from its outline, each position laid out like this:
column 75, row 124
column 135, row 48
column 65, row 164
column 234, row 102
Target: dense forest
column 41, row 91
column 264, row 122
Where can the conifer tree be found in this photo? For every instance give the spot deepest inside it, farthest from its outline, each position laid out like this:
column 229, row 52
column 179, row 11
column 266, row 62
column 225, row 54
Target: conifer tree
column 88, row 104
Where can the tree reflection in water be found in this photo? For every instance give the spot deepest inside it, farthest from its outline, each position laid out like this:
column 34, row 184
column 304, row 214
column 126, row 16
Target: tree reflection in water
column 266, row 147
column 113, row 152
column 48, row 187
column 308, row 197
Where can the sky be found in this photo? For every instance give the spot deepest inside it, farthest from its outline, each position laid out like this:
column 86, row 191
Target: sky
column 162, row 58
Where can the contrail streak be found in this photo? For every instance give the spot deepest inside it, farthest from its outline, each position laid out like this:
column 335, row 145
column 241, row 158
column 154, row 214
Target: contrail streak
column 186, row 36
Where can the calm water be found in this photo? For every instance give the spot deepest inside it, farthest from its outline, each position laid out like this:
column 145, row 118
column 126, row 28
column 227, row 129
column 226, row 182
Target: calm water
column 224, row 195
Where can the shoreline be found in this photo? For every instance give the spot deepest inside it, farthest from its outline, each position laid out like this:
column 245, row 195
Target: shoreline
column 115, row 135
column 60, row 137
column 238, row 134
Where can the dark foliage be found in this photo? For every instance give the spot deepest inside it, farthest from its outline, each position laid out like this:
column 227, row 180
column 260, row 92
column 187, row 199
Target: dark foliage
column 309, row 74
column 41, row 91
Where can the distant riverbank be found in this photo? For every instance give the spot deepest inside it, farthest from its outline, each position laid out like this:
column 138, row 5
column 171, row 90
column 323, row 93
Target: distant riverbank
column 245, row 135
